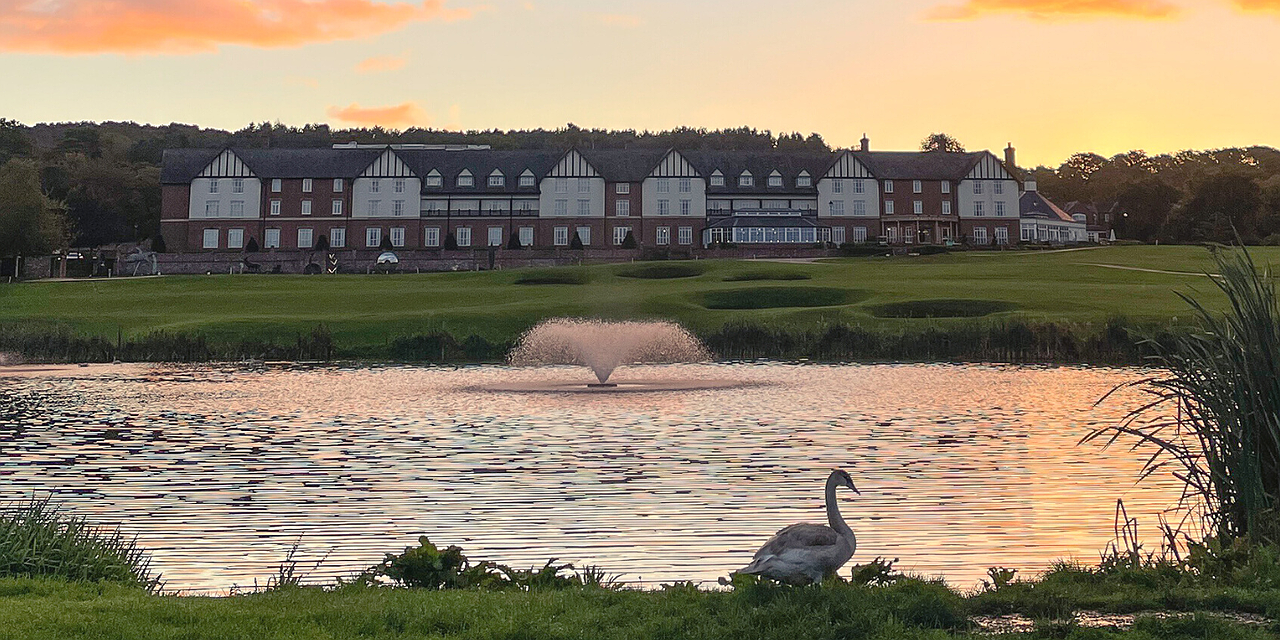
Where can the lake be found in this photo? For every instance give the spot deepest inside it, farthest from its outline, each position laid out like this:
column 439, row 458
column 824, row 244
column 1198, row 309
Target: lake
column 220, row 470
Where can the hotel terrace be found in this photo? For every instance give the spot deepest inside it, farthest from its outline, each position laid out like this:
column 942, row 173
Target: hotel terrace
column 424, row 197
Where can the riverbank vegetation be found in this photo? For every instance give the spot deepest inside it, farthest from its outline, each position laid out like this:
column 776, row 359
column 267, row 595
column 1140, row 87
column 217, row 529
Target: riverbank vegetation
column 1068, row 307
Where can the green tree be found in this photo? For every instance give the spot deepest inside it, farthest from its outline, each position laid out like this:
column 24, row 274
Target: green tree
column 13, row 140
column 1146, row 203
column 941, row 142
column 30, row 223
column 1218, row 208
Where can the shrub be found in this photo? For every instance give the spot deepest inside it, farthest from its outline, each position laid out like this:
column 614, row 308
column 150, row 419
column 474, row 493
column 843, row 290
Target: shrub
column 158, row 246
column 322, row 243
column 513, row 242
column 662, row 271
column 779, row 297
column 385, row 245
column 941, row 308
column 576, row 243
column 629, row 242
column 751, row 276
column 252, row 245
column 863, row 250
column 38, row 540
column 450, row 242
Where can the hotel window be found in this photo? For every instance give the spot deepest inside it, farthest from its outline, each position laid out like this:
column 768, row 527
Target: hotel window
column 466, row 180
column 237, row 185
column 584, row 207
column 717, row 180
column 775, row 181
column 977, row 191
column 686, row 235
column 211, row 209
column 946, row 187
column 664, row 207
column 526, row 205
column 859, row 234
column 837, row 207
column 746, row 180
column 622, row 188
column 431, row 237
column 917, row 207
column 1002, row 235
column 304, row 238
column 337, row 207
column 210, row 239
column 620, row 235
column 686, row 207
column 272, row 239
column 917, row 186
column 909, row 235
column 495, row 207
column 663, row 236
column 562, row 207
column 397, row 236
column 1028, row 234
column 434, row 180
column 337, row 185
column 686, row 185
column 892, row 234
column 979, row 235
column 837, row 235
column 213, row 186
column 237, row 209
column 275, row 185
column 804, row 181
column 306, row 207
column 399, row 185
column 235, row 238
column 977, row 209
column 946, row 207
column 888, row 186
column 837, row 186
column 337, row 237
column 306, row 185
column 562, row 185
column 584, row 185
column 375, row 186
column 464, row 236
column 560, row 236
column 495, row 236
column 888, row 207
column 497, row 180
column 526, row 181
column 397, row 208
column 372, row 237
column 526, row 236
column 859, row 186
column 584, row 234
column 999, row 192
column 664, row 185
column 859, row 208
column 999, row 209
column 622, row 208
column 374, row 205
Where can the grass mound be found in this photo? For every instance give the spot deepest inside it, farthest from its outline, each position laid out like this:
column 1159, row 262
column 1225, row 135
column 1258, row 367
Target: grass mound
column 752, row 276
column 669, row 271
column 38, row 540
column 941, row 308
column 554, row 276
column 780, row 297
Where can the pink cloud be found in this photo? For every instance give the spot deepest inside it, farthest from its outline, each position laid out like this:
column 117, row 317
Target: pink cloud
column 1054, row 10
column 408, row 114
column 191, row 26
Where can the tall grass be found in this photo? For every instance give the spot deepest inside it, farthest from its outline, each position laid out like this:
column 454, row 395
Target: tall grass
column 1214, row 419
column 38, row 540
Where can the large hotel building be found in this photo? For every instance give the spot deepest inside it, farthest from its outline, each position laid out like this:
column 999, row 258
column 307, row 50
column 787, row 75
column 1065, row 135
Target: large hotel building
column 433, row 197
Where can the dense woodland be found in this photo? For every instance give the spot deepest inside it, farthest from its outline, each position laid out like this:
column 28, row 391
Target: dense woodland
column 100, row 183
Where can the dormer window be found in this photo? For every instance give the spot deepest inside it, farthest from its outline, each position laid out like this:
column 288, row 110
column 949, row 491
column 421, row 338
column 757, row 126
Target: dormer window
column 775, row 180
column 465, row 179
column 496, row 179
column 717, row 179
column 746, row 179
column 804, row 180
column 434, row 179
column 526, row 179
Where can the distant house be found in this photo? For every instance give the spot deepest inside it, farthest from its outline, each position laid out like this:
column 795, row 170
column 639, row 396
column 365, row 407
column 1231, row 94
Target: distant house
column 1044, row 221
column 1100, row 219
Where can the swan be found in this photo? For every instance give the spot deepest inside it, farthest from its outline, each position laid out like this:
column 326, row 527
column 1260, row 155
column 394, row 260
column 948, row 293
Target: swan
column 806, row 553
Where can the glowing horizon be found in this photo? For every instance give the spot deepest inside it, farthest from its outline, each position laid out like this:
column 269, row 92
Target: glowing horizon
column 1054, row 77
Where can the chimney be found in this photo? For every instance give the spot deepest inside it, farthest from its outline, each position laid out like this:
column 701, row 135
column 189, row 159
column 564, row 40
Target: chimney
column 1010, row 159
column 1029, row 186
column 866, row 144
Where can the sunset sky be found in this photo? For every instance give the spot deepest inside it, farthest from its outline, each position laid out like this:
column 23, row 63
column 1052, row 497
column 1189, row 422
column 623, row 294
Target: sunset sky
column 1051, row 76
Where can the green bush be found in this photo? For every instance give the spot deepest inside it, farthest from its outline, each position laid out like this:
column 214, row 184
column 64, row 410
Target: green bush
column 38, row 540
column 662, row 271
column 780, row 297
column 941, row 308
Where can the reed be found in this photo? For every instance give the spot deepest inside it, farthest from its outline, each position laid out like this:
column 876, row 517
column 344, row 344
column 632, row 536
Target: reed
column 38, row 540
column 1214, row 418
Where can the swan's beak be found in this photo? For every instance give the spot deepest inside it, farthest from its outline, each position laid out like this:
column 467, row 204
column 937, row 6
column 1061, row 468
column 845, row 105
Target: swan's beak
column 855, row 489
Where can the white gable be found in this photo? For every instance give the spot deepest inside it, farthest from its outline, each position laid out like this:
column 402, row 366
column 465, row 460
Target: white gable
column 388, row 165
column 496, row 172
column 675, row 166
column 848, row 167
column 989, row 168
column 227, row 165
column 573, row 165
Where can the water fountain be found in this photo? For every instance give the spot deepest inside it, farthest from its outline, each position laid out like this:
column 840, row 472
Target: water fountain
column 603, row 346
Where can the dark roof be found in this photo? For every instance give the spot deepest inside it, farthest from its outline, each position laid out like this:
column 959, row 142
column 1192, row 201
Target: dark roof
column 761, row 164
column 481, row 163
column 180, row 166
column 292, row 164
column 624, row 165
column 919, row 165
column 1034, row 205
column 765, row 221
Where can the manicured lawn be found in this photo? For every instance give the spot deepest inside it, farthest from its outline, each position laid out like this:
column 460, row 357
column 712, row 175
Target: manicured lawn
column 365, row 311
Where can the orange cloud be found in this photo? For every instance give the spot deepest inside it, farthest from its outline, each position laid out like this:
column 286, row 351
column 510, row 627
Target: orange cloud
column 1259, row 6
column 191, row 26
column 382, row 63
column 408, row 114
column 1056, row 9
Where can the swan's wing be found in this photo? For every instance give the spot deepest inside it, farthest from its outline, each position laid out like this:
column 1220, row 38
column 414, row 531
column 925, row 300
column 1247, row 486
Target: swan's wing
column 799, row 537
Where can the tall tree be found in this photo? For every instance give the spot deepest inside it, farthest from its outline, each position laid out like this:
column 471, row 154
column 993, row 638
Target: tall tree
column 941, row 142
column 1218, row 208
column 13, row 140
column 30, row 223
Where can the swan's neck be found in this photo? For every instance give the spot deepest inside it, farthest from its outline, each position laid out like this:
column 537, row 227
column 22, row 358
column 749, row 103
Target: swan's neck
column 833, row 511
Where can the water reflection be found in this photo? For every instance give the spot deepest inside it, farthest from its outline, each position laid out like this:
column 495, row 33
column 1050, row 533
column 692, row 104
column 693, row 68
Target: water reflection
column 219, row 470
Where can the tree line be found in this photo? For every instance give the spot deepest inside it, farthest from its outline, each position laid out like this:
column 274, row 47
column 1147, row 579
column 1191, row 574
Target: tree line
column 87, row 184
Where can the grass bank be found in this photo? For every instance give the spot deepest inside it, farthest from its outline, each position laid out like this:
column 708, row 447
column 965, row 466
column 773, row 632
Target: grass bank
column 1010, row 306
